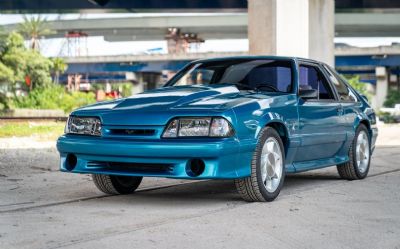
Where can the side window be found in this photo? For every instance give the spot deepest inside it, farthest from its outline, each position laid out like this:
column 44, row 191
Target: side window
column 345, row 94
column 311, row 78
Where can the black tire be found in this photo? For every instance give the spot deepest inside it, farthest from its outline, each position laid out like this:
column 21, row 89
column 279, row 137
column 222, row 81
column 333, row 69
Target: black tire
column 114, row 185
column 350, row 170
column 252, row 188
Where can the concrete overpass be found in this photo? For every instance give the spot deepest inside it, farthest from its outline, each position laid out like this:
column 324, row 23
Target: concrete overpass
column 340, row 50
column 349, row 59
column 142, row 27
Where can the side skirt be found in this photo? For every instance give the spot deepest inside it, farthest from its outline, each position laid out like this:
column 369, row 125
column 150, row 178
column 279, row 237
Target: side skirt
column 320, row 163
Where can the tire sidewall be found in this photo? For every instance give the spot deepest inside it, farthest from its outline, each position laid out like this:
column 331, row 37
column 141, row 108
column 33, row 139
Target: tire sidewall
column 125, row 189
column 360, row 128
column 266, row 133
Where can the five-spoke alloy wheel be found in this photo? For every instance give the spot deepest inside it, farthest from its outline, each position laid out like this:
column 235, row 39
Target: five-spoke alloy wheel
column 267, row 169
column 271, row 164
column 359, row 156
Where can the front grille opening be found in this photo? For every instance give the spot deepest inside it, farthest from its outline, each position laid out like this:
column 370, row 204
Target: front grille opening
column 133, row 167
column 133, row 132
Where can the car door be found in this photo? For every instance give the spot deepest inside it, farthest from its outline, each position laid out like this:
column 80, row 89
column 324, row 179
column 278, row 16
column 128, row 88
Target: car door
column 320, row 119
column 350, row 104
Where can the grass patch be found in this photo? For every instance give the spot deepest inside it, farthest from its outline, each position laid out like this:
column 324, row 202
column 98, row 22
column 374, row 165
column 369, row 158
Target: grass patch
column 45, row 130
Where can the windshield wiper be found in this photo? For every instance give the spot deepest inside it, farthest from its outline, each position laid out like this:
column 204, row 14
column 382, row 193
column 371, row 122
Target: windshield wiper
column 257, row 88
column 267, row 86
column 245, row 86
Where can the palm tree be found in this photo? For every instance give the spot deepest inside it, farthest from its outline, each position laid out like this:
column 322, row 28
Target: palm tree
column 59, row 66
column 33, row 28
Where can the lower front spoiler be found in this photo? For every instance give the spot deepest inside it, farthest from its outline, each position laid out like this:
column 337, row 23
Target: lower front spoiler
column 187, row 160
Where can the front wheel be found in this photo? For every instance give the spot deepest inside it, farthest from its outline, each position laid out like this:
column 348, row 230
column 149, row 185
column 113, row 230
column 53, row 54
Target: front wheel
column 110, row 184
column 267, row 169
column 359, row 156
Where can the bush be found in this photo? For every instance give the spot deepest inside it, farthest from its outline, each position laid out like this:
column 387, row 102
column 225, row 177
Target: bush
column 53, row 97
column 393, row 97
column 124, row 88
column 17, row 63
column 386, row 117
column 97, row 86
column 359, row 86
column 77, row 99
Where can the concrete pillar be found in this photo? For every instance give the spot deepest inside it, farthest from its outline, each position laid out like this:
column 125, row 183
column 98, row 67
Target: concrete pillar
column 302, row 28
column 381, row 88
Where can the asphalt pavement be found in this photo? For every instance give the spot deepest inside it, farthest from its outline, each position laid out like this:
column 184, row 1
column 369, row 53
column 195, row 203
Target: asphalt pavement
column 41, row 207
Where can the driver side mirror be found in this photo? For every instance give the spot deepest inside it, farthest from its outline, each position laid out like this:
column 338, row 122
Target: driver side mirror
column 308, row 94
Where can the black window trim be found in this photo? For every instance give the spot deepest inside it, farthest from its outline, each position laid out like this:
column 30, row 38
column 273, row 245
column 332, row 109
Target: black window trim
column 318, row 66
column 326, row 69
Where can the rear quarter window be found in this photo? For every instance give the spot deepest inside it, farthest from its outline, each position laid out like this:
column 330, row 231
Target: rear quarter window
column 344, row 92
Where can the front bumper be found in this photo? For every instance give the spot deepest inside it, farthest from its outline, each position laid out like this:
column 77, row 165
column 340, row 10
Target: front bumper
column 223, row 158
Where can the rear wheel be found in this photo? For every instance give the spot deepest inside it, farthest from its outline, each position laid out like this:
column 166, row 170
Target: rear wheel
column 359, row 156
column 110, row 184
column 267, row 169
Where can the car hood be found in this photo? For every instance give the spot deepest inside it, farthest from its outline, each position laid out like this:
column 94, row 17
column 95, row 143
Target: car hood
column 157, row 107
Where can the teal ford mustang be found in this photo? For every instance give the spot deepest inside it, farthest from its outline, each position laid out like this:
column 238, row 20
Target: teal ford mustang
column 251, row 119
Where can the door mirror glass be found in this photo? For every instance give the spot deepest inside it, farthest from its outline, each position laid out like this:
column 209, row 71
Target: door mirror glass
column 308, row 94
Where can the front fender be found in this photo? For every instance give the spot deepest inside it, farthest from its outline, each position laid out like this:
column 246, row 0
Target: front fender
column 272, row 117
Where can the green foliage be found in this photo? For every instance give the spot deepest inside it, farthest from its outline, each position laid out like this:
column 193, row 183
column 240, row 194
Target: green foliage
column 392, row 98
column 59, row 66
column 33, row 28
column 386, row 117
column 18, row 62
column 6, row 73
column 359, row 86
column 77, row 99
column 22, row 129
column 12, row 58
column 38, row 69
column 54, row 97
column 3, row 38
column 4, row 102
column 124, row 88
column 98, row 86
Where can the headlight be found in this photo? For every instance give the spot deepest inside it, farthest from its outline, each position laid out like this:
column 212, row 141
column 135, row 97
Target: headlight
column 83, row 125
column 198, row 127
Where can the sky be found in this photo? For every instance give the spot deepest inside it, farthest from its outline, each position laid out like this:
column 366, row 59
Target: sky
column 97, row 45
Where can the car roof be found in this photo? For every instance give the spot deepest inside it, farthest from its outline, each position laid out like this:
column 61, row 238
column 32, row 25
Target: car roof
column 269, row 57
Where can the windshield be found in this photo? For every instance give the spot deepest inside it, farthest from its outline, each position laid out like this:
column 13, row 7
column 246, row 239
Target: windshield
column 245, row 74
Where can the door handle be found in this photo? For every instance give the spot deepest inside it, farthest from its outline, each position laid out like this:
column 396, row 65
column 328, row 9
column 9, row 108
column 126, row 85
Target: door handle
column 339, row 110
